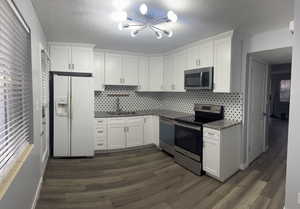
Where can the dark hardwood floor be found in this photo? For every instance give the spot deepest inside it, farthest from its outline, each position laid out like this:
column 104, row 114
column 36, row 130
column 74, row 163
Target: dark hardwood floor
column 149, row 179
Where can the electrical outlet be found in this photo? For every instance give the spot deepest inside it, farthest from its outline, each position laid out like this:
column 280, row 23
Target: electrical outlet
column 298, row 198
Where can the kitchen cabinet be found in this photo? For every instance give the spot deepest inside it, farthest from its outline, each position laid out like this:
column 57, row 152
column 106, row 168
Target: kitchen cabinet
column 71, row 57
column 200, row 55
column 227, row 63
column 156, row 67
column 143, row 74
column 151, row 135
column 221, row 151
column 180, row 64
column 134, row 132
column 121, row 69
column 130, row 70
column 113, row 69
column 169, row 73
column 101, row 134
column 99, row 71
column 116, row 137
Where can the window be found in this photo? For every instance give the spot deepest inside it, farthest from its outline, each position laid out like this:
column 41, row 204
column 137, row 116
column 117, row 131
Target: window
column 285, row 88
column 16, row 122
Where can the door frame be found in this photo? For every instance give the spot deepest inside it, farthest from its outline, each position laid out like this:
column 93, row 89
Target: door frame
column 249, row 103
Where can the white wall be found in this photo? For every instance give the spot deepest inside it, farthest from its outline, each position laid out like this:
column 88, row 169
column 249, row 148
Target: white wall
column 293, row 168
column 21, row 193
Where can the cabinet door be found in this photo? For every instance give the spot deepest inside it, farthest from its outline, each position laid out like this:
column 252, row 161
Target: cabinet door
column 149, row 131
column 193, row 57
column 130, row 70
column 82, row 59
column 134, row 132
column 180, row 64
column 143, row 74
column 168, row 74
column 113, row 69
column 99, row 71
column 155, row 73
column 211, row 157
column 222, row 65
column 60, row 58
column 206, row 54
column 116, row 138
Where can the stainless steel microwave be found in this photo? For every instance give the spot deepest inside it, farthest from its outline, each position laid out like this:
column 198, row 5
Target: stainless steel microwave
column 199, row 79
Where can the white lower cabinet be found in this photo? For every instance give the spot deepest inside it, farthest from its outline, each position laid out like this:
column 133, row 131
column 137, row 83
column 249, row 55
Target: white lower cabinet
column 134, row 132
column 118, row 133
column 221, row 151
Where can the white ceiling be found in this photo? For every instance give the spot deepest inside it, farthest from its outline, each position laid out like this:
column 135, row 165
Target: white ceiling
column 276, row 56
column 90, row 21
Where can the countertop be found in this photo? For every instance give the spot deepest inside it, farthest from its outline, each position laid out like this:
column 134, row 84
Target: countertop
column 163, row 113
column 221, row 124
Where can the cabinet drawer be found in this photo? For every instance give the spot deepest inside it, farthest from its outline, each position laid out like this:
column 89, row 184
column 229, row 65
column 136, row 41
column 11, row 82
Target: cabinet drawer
column 100, row 132
column 100, row 122
column 211, row 133
column 100, row 145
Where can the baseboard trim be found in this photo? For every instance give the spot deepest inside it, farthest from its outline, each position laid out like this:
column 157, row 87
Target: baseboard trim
column 243, row 166
column 37, row 193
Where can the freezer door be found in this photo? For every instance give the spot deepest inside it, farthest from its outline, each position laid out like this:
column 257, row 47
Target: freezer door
column 61, row 135
column 82, row 117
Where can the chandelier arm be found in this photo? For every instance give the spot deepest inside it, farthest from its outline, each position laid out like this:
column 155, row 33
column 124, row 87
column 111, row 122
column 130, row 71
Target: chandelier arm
column 154, row 27
column 160, row 20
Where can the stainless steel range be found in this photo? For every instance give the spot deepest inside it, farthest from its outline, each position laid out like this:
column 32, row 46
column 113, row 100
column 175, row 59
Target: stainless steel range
column 189, row 136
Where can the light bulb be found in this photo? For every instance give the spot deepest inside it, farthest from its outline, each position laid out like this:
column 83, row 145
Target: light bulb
column 158, row 35
column 172, row 16
column 119, row 16
column 134, row 33
column 170, row 34
column 143, row 9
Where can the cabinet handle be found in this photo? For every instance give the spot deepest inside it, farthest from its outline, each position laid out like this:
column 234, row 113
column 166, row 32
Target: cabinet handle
column 120, row 80
column 145, row 120
column 123, row 80
column 125, row 129
column 100, row 132
column 199, row 62
column 69, row 66
column 73, row 66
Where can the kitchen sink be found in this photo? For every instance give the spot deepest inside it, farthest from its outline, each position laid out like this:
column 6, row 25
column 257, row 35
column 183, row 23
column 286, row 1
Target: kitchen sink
column 122, row 113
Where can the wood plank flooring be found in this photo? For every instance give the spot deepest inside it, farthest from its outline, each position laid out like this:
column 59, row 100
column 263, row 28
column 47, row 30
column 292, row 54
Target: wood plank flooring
column 149, row 179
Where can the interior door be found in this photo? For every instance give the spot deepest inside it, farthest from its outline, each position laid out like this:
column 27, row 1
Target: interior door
column 61, row 135
column 82, row 59
column 82, row 117
column 257, row 105
column 130, row 69
column 134, row 132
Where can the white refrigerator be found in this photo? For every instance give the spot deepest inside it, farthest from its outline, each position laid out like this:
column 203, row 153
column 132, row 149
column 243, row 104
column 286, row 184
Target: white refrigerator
column 72, row 114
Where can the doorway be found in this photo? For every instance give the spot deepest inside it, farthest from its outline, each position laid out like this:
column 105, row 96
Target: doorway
column 268, row 99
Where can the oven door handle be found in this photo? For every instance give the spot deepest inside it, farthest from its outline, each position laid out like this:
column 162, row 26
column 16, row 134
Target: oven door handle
column 198, row 128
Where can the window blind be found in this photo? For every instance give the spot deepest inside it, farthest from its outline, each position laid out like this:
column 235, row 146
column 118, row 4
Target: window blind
column 16, row 121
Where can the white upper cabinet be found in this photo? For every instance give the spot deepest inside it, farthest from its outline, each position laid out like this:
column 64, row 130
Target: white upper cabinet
column 143, row 74
column 200, row 55
column 227, row 63
column 82, row 59
column 156, row 67
column 60, row 58
column 169, row 73
column 73, row 58
column 99, row 71
column 113, row 69
column 121, row 69
column 180, row 64
column 130, row 70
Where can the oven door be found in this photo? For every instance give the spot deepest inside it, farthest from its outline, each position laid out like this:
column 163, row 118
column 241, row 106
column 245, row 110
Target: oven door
column 189, row 140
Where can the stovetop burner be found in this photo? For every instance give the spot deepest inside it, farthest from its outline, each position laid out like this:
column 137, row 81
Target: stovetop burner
column 192, row 120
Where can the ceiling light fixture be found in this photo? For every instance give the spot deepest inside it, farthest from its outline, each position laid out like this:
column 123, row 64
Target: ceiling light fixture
column 143, row 9
column 149, row 21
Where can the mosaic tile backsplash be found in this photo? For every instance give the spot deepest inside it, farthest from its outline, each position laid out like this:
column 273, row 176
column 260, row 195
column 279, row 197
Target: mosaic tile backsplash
column 182, row 102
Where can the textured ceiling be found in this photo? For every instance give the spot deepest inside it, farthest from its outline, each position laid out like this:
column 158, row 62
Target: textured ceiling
column 90, row 21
